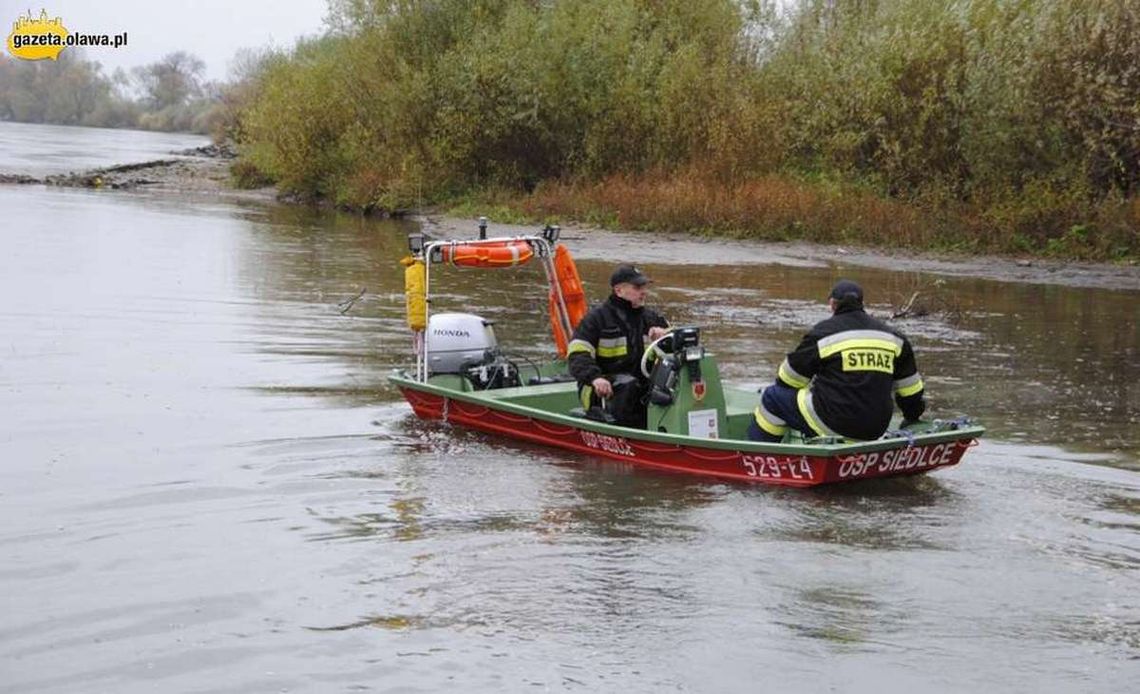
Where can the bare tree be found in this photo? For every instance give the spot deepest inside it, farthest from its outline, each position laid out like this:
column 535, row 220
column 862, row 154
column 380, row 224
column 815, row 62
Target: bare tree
column 172, row 81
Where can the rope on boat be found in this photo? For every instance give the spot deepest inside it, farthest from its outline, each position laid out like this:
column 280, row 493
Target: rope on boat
column 901, row 434
column 824, row 440
column 937, row 426
column 952, row 424
column 657, row 449
column 553, row 431
column 512, row 418
column 470, row 412
column 443, row 412
column 713, row 458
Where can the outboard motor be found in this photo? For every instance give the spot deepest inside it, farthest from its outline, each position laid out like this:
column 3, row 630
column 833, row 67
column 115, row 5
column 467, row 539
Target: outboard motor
column 465, row 344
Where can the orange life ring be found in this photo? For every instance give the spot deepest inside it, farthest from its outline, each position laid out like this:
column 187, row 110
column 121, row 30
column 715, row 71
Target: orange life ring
column 496, row 254
column 572, row 293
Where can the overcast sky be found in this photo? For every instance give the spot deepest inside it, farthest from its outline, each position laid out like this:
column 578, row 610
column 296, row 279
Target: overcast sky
column 211, row 29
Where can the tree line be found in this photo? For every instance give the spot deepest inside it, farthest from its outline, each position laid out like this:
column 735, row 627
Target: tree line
column 169, row 94
column 987, row 125
column 982, row 124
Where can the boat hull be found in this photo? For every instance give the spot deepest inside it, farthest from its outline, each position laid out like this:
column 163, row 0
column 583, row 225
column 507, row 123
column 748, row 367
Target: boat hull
column 776, row 464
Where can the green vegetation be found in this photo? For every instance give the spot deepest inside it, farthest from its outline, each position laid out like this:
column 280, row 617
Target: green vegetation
column 989, row 125
column 166, row 95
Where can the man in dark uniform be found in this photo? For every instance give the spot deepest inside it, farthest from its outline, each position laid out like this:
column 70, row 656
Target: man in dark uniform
column 605, row 351
column 841, row 378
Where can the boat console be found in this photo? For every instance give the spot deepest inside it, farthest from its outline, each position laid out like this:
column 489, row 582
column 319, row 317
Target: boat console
column 685, row 393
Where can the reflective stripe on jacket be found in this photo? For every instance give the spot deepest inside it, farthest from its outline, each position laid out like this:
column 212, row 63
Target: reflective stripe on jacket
column 610, row 340
column 850, row 366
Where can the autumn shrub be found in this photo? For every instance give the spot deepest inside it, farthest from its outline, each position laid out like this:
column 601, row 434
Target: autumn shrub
column 991, row 124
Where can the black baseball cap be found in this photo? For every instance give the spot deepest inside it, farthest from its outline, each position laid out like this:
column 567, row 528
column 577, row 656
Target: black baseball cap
column 847, row 292
column 628, row 273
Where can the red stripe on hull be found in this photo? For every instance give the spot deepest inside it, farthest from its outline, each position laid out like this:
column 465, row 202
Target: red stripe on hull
column 767, row 468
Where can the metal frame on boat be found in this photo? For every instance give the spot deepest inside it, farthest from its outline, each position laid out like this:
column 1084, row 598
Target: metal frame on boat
column 499, row 252
column 696, row 424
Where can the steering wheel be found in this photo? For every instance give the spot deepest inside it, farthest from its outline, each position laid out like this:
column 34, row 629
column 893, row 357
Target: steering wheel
column 657, row 350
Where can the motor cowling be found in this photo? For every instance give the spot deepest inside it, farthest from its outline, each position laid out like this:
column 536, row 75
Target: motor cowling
column 465, row 344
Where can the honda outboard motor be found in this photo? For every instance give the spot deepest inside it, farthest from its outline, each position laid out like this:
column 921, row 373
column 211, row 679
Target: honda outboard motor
column 465, row 344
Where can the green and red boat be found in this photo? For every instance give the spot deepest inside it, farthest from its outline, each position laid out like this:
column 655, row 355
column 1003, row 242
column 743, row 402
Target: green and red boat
column 697, row 424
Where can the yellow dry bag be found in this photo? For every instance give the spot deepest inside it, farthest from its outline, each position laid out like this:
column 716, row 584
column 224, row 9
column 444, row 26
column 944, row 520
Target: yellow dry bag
column 415, row 282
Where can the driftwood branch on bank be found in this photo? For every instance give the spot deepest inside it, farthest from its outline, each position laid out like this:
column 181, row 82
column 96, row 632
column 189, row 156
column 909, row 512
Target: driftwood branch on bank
column 906, row 308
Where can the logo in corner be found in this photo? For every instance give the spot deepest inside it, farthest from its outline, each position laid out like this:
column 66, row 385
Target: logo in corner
column 37, row 39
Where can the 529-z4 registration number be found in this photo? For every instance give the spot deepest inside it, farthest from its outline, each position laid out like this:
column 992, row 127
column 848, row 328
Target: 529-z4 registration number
column 775, row 468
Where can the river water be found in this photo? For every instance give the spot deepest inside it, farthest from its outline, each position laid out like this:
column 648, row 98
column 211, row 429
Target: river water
column 207, row 485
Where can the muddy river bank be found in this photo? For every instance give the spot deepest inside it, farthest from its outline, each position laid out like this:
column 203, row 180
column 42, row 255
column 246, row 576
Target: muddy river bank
column 205, row 170
column 701, row 250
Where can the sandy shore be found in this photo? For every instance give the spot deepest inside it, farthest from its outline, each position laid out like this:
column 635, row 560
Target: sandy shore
column 199, row 171
column 205, row 171
column 687, row 249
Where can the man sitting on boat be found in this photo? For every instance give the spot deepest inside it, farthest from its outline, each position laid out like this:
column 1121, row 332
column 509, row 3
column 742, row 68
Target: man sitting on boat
column 840, row 380
column 605, row 351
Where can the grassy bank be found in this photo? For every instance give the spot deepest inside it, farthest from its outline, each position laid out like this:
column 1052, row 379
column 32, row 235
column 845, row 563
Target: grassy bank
column 992, row 125
column 785, row 209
